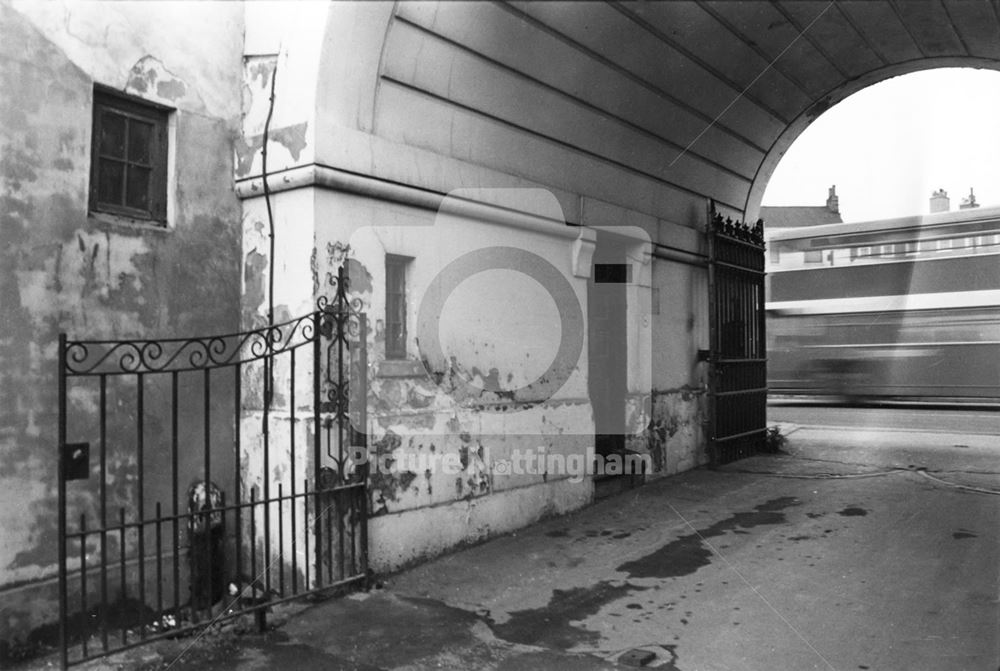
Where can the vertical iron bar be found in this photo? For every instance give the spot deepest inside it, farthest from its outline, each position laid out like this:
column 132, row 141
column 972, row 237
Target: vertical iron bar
column 339, row 498
column 751, row 323
column 753, row 316
column 281, row 540
column 123, row 595
column 330, row 503
column 175, row 496
column 293, row 502
column 342, row 416
column 85, row 628
column 253, row 533
column 762, row 343
column 237, row 483
column 103, row 445
column 61, row 478
column 268, row 381
column 352, row 521
column 140, row 467
column 363, row 432
column 159, row 561
column 207, row 518
column 331, row 507
column 712, row 338
column 317, row 446
column 305, row 534
column 750, row 315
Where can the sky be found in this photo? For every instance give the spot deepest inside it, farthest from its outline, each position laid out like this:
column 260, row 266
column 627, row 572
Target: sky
column 887, row 147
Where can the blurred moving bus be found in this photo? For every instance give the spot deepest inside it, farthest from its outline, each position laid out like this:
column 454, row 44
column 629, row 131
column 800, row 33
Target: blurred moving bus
column 905, row 308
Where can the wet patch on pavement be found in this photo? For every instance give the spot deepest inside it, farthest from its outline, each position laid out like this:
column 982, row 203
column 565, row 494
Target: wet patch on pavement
column 689, row 553
column 394, row 630
column 852, row 511
column 963, row 533
column 550, row 625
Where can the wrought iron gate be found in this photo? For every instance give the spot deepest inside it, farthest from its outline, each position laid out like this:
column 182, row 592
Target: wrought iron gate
column 738, row 376
column 202, row 479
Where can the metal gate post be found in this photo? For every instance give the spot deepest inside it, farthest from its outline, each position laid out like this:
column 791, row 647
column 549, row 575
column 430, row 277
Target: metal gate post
column 61, row 474
column 737, row 355
column 711, row 354
column 362, row 393
column 319, row 320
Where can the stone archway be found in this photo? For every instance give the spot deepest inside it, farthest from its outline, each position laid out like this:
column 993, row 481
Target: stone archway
column 844, row 91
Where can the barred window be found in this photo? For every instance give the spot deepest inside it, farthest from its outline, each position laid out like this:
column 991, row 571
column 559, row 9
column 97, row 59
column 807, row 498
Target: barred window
column 395, row 306
column 129, row 157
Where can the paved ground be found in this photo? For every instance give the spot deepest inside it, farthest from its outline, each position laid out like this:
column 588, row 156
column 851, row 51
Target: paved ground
column 840, row 554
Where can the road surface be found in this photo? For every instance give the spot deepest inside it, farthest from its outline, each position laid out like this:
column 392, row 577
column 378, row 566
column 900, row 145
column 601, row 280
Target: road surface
column 973, row 421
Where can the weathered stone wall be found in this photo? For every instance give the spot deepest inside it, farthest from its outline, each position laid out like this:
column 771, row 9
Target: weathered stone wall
column 462, row 428
column 64, row 270
column 677, row 431
column 361, row 160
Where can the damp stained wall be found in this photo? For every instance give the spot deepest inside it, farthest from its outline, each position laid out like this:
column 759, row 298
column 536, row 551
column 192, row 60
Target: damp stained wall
column 64, row 270
column 412, row 102
column 677, row 427
column 480, row 434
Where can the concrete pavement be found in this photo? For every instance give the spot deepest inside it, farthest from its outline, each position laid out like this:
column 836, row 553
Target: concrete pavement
column 839, row 554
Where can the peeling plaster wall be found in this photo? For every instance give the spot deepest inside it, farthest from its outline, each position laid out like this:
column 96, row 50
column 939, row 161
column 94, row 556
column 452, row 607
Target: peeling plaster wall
column 676, row 433
column 458, row 433
column 349, row 154
column 66, row 271
column 442, row 435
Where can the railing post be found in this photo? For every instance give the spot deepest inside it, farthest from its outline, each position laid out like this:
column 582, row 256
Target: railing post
column 362, row 394
column 713, row 348
column 317, row 443
column 61, row 470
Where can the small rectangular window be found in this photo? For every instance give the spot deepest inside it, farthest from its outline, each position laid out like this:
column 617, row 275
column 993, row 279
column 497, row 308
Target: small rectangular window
column 814, row 256
column 612, row 273
column 128, row 173
column 395, row 306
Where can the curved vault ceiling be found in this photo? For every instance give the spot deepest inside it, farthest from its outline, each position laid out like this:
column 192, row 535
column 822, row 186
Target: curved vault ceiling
column 700, row 98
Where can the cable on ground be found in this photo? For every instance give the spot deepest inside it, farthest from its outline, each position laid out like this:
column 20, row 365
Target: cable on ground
column 873, row 474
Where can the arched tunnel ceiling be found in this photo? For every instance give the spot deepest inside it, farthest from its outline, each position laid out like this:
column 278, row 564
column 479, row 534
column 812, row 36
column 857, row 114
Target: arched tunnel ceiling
column 639, row 103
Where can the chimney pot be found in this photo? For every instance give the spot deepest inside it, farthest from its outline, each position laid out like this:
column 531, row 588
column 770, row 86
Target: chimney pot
column 969, row 202
column 832, row 201
column 940, row 201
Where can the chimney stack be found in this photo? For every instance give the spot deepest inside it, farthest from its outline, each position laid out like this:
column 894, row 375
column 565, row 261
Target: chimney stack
column 970, row 202
column 832, row 202
column 940, row 201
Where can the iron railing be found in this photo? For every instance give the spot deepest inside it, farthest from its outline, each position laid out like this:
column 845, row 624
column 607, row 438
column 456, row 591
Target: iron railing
column 738, row 358
column 204, row 478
